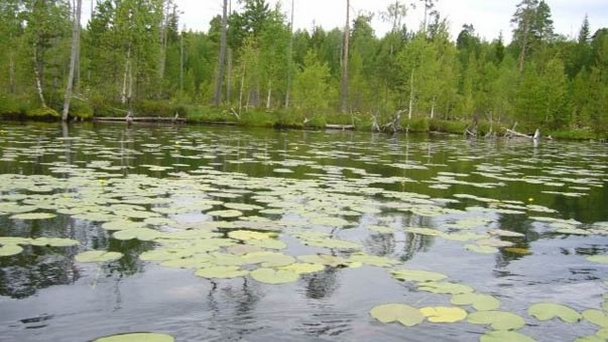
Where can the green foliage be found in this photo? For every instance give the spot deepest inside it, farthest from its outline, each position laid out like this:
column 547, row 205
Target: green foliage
column 42, row 113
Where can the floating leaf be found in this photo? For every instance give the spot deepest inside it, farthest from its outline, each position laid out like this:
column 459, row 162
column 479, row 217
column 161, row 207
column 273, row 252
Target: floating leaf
column 97, row 256
column 303, row 268
column 498, row 320
column 10, row 250
column 122, row 225
column 54, row 242
column 404, row 314
column 418, row 275
column 142, row 234
column 445, row 288
column 548, row 311
column 480, row 302
column 373, row 260
column 271, row 276
column 596, row 317
column 481, row 249
column 442, row 314
column 246, row 235
column 137, row 337
column 504, row 336
column 225, row 213
column 221, row 272
column 33, row 216
column 601, row 259
column 268, row 259
column 517, row 250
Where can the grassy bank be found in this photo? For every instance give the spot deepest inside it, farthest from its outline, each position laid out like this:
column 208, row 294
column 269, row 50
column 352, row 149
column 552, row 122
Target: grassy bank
column 25, row 109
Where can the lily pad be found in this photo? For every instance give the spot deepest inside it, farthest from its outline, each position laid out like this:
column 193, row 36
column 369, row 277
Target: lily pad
column 97, row 256
column 481, row 249
column 596, row 317
column 271, row 276
column 303, row 268
column 142, row 234
column 418, row 275
column 445, row 288
column 221, row 272
column 10, row 250
column 498, row 320
column 373, row 260
column 33, row 216
column 480, row 302
column 601, row 259
column 246, row 235
column 137, row 337
column 443, row 314
column 548, row 311
column 54, row 242
column 503, row 336
column 404, row 314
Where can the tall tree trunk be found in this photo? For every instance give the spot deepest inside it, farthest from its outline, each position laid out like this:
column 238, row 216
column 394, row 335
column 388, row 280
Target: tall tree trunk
column 268, row 100
column 73, row 59
column 229, row 77
column 433, row 108
column 163, row 42
column 345, row 60
column 411, row 107
column 290, row 57
column 181, row 62
column 38, row 71
column 11, row 72
column 241, row 91
column 125, row 78
column 524, row 48
column 217, row 99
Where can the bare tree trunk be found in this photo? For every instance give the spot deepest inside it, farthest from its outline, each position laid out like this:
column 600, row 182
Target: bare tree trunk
column 181, row 62
column 123, row 97
column 290, row 57
column 73, row 59
column 11, row 73
column 268, row 100
column 433, row 108
column 345, row 60
column 229, row 66
column 217, row 99
column 411, row 107
column 241, row 91
column 524, row 48
column 38, row 75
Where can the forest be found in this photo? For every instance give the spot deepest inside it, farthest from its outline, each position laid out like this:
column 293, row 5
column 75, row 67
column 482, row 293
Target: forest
column 252, row 68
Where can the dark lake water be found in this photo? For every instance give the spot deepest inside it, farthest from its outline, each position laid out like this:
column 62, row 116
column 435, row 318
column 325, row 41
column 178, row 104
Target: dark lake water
column 524, row 224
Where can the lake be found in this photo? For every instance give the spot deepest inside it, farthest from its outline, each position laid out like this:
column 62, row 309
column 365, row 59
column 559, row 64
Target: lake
column 226, row 234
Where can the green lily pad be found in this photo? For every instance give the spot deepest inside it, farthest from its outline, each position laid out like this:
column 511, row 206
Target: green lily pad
column 548, row 311
column 601, row 259
column 10, row 250
column 498, row 320
column 137, row 337
column 445, row 288
column 97, row 256
column 122, row 225
column 481, row 249
column 503, row 336
column 271, row 276
column 303, row 268
column 246, row 235
column 54, row 242
column 33, row 216
column 373, row 260
column 418, row 275
column 142, row 234
column 268, row 259
column 480, row 302
column 596, row 317
column 592, row 338
column 225, row 213
column 443, row 314
column 221, row 272
column 404, row 314
column 268, row 243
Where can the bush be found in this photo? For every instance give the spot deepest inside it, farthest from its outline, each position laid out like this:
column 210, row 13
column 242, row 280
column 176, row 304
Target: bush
column 445, row 126
column 42, row 113
column 416, row 125
column 81, row 109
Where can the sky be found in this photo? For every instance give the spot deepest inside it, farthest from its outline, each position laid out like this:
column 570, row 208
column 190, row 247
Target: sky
column 489, row 17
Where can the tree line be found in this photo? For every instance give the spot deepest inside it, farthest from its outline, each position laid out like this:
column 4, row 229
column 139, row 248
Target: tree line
column 132, row 55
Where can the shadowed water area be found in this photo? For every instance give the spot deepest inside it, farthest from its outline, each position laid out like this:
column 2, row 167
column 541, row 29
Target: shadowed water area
column 228, row 234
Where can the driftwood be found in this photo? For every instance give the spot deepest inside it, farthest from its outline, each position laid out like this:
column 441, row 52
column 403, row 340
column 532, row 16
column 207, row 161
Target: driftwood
column 511, row 133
